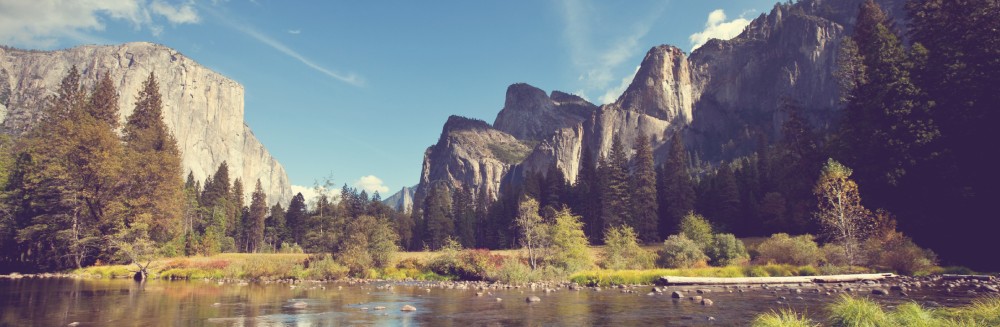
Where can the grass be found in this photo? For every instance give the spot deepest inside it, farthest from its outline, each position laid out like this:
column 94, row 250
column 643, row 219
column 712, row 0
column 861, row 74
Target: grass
column 851, row 311
column 783, row 318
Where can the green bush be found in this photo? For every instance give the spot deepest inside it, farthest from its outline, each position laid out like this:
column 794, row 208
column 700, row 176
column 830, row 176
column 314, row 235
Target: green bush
column 513, row 271
column 833, row 255
column 783, row 249
column 622, row 250
column 696, row 228
column 680, row 252
column 727, row 250
column 324, row 269
column 756, row 271
column 570, row 249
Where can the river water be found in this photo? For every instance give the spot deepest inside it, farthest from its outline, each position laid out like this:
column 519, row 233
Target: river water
column 96, row 302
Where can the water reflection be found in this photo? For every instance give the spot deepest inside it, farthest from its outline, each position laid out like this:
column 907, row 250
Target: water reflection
column 58, row 302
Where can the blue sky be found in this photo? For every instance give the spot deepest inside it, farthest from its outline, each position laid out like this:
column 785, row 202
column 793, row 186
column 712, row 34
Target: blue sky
column 357, row 90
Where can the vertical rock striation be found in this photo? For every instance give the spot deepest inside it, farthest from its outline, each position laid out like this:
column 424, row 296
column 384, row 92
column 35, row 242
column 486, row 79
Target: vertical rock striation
column 202, row 108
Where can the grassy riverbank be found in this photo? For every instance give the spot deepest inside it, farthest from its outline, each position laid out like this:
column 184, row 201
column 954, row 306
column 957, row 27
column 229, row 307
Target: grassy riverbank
column 859, row 311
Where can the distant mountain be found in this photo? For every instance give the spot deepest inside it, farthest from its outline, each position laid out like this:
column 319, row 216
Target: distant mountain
column 724, row 97
column 402, row 201
column 202, row 108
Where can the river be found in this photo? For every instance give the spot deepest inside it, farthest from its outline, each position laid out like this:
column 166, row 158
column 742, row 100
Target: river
column 97, row 302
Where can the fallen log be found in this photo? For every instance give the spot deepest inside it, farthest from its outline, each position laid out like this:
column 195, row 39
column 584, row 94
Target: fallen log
column 677, row 280
column 975, row 277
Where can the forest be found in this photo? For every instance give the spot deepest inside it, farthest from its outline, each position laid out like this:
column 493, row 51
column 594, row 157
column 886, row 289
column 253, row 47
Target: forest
column 909, row 152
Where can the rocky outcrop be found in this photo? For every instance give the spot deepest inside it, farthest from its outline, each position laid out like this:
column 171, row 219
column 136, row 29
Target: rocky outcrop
column 402, row 201
column 202, row 108
column 529, row 114
column 471, row 154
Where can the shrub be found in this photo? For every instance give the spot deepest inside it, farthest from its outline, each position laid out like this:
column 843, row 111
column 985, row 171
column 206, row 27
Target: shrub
column 698, row 229
column 680, row 252
column 900, row 254
column 513, row 271
column 727, row 250
column 290, row 248
column 756, row 271
column 325, row 268
column 622, row 251
column 833, row 255
column 570, row 249
column 783, row 249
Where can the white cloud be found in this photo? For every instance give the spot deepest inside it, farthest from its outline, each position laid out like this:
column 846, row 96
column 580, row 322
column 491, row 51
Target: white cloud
column 294, row 32
column 180, row 14
column 281, row 47
column 42, row 23
column 371, row 184
column 613, row 94
column 597, row 63
column 716, row 27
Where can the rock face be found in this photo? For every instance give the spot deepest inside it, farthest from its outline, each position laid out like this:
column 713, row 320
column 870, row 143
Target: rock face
column 202, row 108
column 723, row 98
column 402, row 201
column 471, row 154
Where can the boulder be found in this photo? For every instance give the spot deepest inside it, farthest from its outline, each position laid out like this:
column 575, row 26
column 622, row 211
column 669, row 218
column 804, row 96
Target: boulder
column 533, row 299
column 408, row 308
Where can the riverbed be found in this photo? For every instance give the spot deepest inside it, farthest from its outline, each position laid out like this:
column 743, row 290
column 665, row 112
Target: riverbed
column 102, row 302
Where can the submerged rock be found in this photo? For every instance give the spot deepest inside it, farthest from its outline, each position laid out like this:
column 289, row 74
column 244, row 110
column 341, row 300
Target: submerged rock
column 408, row 308
column 533, row 299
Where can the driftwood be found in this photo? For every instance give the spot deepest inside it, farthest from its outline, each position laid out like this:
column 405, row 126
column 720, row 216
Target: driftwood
column 975, row 277
column 676, row 280
column 140, row 275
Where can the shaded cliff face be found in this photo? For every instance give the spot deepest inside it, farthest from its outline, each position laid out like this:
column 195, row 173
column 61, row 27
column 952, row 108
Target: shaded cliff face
column 202, row 108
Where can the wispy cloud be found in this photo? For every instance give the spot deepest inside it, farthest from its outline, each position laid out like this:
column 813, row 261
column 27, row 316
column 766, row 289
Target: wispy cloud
column 716, row 27
column 252, row 32
column 294, row 32
column 42, row 23
column 598, row 62
column 612, row 94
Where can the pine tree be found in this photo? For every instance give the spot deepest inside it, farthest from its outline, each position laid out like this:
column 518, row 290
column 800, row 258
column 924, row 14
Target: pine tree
column 255, row 219
column 237, row 215
column 677, row 196
column 154, row 160
column 465, row 216
column 585, row 198
column 644, row 206
column 295, row 218
column 614, row 189
column 439, row 224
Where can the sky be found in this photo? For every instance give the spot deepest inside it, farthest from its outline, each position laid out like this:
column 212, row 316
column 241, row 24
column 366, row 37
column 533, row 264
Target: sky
column 355, row 91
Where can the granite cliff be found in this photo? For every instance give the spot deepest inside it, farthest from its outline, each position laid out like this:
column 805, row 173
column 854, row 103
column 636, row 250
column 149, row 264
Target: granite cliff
column 202, row 108
column 724, row 97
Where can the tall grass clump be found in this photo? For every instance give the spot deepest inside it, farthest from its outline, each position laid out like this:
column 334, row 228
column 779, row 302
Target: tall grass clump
column 324, row 268
column 856, row 311
column 982, row 312
column 783, row 318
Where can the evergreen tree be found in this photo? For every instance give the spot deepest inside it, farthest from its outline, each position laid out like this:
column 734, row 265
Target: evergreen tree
column 153, row 159
column 644, row 206
column 255, row 219
column 465, row 217
column 585, row 196
column 439, row 224
column 295, row 218
column 676, row 189
column 275, row 227
column 237, row 215
column 614, row 189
